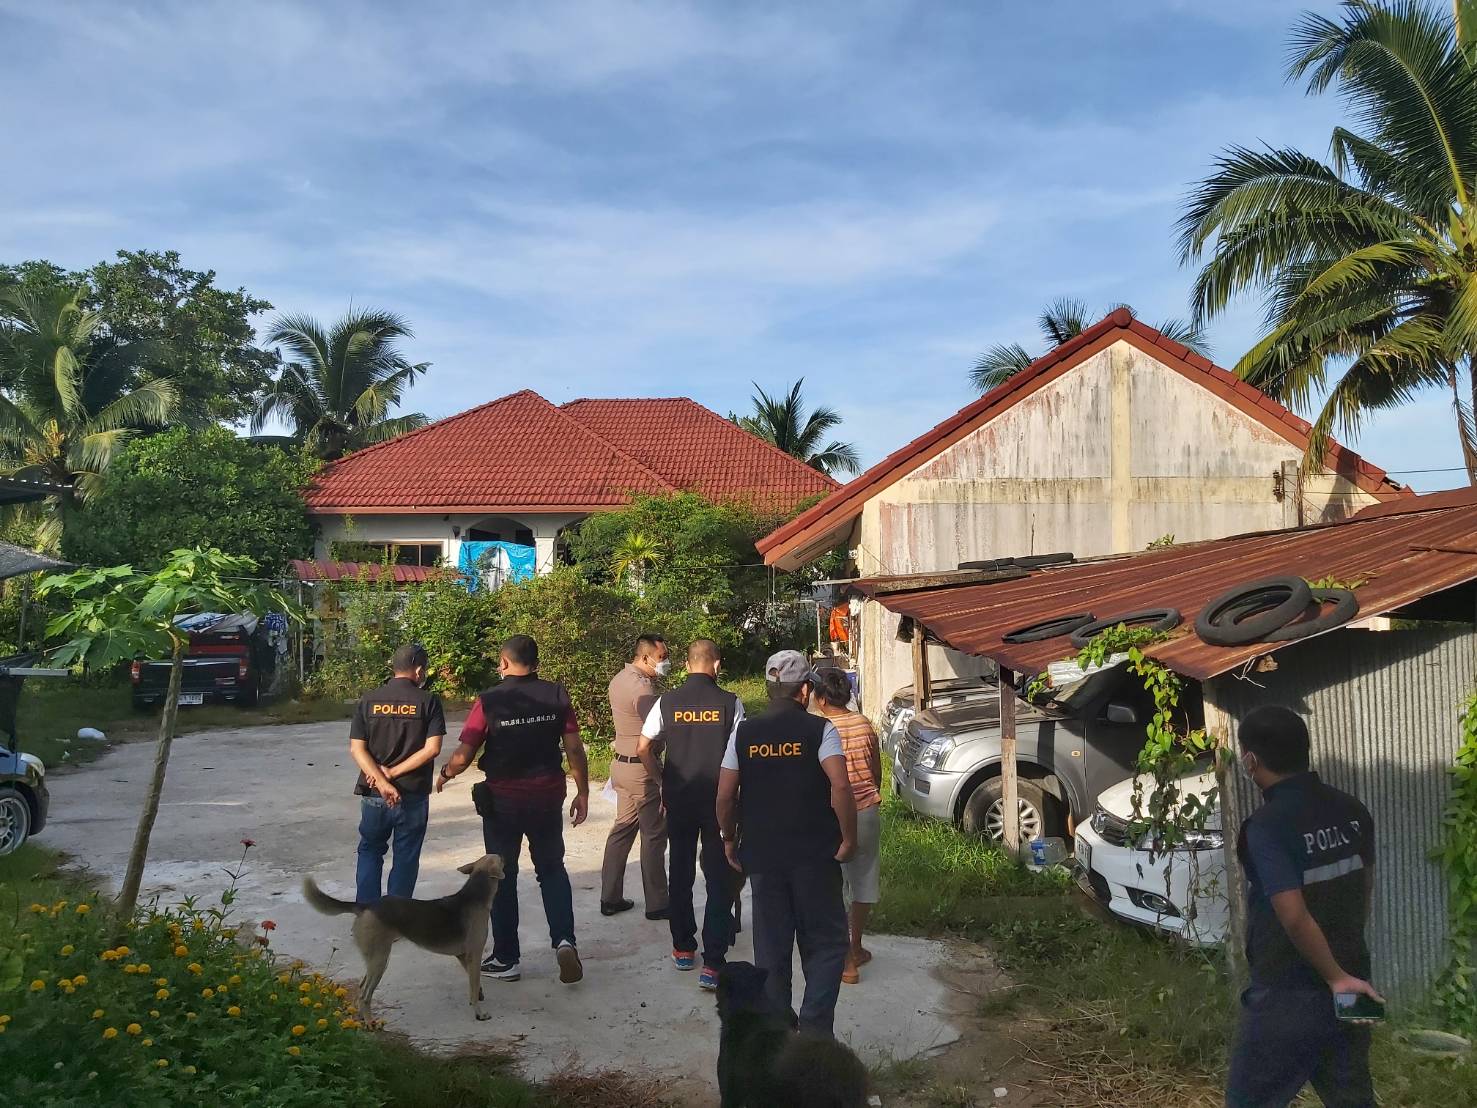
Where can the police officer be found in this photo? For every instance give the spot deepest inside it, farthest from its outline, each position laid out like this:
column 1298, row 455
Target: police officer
column 695, row 721
column 788, row 819
column 525, row 727
column 1308, row 855
column 394, row 739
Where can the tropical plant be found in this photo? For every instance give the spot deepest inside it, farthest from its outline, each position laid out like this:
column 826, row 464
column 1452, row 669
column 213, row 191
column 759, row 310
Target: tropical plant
column 636, row 553
column 1061, row 321
column 1368, row 265
column 71, row 406
column 115, row 614
column 783, row 422
column 337, row 390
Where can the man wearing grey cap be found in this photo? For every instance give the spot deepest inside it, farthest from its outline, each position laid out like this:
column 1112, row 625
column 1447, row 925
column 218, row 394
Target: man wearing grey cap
column 787, row 816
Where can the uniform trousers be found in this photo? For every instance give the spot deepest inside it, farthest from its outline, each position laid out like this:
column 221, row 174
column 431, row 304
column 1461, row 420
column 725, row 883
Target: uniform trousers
column 1289, row 1038
column 638, row 812
column 687, row 826
column 802, row 905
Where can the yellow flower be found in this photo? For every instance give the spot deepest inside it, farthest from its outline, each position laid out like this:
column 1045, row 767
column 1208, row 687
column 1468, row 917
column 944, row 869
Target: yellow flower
column 4, row 1020
column 162, row 1063
column 64, row 983
column 189, row 1015
column 162, row 994
column 147, row 1042
column 130, row 968
column 144, row 967
column 123, row 952
column 196, row 968
column 233, row 1011
column 299, row 1029
column 83, row 909
column 340, row 992
column 80, row 979
column 318, row 1005
column 221, row 989
column 133, row 1029
column 294, row 1051
column 67, row 950
column 306, row 1002
column 110, row 1032
column 189, row 1069
column 272, row 997
column 109, row 956
column 98, row 1013
column 161, row 981
column 283, row 978
column 229, row 933
column 322, row 1024
column 235, row 979
column 154, row 1013
column 39, row 909
column 181, row 950
column 349, row 1024
column 37, row 985
column 198, row 925
column 304, row 987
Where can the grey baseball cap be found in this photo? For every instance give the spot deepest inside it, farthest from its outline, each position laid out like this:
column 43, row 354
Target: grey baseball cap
column 789, row 666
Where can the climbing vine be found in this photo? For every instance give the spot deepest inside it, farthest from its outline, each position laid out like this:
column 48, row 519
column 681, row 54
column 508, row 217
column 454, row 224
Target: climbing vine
column 1456, row 991
column 1167, row 816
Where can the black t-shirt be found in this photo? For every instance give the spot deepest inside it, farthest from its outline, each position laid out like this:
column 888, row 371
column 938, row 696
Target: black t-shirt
column 1307, row 836
column 394, row 721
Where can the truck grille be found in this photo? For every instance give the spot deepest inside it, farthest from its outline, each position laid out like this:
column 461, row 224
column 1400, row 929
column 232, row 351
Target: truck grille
column 1110, row 828
column 910, row 748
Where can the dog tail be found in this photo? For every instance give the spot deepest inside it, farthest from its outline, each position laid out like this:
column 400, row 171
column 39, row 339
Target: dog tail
column 322, row 902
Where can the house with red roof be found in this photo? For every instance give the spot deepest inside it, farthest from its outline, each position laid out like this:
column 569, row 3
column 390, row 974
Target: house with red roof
column 521, row 469
column 1110, row 442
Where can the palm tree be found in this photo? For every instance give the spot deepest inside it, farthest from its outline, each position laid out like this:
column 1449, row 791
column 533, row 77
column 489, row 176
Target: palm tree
column 633, row 556
column 339, row 387
column 71, row 405
column 1368, row 266
column 1062, row 320
column 781, row 421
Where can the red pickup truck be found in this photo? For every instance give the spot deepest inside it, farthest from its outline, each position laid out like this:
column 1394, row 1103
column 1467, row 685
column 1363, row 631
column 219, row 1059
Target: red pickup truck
column 222, row 664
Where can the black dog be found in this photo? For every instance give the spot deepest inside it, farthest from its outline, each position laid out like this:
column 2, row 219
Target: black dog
column 764, row 1062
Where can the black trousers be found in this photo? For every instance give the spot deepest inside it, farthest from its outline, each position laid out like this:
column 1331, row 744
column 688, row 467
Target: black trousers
column 802, row 904
column 1289, row 1038
column 686, row 829
column 504, row 827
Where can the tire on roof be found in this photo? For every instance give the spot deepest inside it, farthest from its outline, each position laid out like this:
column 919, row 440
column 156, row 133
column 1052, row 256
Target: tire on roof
column 1249, row 613
column 1051, row 628
column 1156, row 619
column 1345, row 607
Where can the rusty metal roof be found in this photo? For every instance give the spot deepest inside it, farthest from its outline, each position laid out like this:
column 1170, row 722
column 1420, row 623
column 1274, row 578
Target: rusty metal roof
column 1403, row 551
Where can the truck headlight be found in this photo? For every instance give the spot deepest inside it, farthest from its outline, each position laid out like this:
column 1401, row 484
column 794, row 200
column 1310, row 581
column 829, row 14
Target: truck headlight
column 933, row 755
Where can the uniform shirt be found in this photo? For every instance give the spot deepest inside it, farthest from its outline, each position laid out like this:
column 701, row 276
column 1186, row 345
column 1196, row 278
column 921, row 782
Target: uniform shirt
column 521, row 723
column 1308, row 836
column 785, row 814
column 631, row 693
column 394, row 722
column 697, row 721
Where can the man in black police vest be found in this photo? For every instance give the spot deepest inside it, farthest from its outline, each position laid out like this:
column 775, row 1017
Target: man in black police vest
column 394, row 739
column 1308, row 855
column 695, row 721
column 525, row 727
column 788, row 819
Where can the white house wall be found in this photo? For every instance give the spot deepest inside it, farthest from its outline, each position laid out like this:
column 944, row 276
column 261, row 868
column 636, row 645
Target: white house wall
column 436, row 528
column 1110, row 456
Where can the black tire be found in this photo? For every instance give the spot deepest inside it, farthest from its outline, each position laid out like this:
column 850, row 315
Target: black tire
column 253, row 697
column 1040, row 812
column 1249, row 613
column 15, row 819
column 1048, row 628
column 1156, row 619
column 1345, row 607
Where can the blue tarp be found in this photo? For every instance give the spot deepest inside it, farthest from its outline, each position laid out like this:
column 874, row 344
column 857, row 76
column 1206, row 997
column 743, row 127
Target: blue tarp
column 476, row 558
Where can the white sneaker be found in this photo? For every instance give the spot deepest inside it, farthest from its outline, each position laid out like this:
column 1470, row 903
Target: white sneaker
column 501, row 971
column 570, row 969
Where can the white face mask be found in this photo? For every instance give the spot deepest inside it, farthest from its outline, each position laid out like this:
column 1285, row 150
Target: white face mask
column 663, row 668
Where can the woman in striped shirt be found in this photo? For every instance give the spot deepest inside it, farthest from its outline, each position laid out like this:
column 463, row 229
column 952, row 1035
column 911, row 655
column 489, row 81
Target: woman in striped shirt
column 864, row 767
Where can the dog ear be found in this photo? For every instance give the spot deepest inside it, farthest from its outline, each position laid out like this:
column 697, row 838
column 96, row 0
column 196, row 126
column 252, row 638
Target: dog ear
column 467, row 869
column 495, row 867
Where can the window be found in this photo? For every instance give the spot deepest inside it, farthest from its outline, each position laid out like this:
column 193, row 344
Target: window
column 397, row 553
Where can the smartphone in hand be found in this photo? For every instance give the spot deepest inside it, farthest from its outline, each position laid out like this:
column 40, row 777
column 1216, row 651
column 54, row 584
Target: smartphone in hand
column 1357, row 1007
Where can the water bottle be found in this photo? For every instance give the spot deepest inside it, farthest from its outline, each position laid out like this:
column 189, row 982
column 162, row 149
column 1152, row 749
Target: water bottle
column 1048, row 851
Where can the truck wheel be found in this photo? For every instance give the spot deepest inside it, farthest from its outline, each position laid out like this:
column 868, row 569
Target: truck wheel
column 984, row 811
column 15, row 820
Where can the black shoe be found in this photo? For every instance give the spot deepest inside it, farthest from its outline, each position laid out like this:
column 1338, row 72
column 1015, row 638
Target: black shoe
column 502, row 971
column 616, row 907
column 660, row 913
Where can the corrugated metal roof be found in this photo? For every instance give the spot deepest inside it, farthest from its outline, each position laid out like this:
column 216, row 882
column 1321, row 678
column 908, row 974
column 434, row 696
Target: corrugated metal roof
column 321, row 570
column 1402, row 551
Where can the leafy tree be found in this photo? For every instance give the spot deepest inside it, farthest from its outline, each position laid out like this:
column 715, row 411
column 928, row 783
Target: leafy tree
column 782, row 421
column 207, row 488
column 199, row 336
column 1061, row 321
column 1368, row 265
column 116, row 614
column 73, row 403
column 338, row 390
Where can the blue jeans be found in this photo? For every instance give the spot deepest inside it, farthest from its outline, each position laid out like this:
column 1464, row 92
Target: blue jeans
column 378, row 823
column 503, row 832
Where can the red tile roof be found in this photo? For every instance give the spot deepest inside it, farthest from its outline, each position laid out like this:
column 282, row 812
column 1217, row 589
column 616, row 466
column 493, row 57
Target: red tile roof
column 337, row 571
column 522, row 453
column 837, row 510
column 1401, row 551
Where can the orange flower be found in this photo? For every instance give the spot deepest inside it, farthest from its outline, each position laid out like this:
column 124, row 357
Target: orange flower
column 233, row 1011
column 299, row 1029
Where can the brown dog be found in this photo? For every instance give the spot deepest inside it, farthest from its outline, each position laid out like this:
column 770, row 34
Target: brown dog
column 455, row 925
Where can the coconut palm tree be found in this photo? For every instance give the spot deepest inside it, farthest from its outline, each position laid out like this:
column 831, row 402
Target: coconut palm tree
column 1368, row 265
column 338, row 386
column 1060, row 321
column 71, row 404
column 782, row 421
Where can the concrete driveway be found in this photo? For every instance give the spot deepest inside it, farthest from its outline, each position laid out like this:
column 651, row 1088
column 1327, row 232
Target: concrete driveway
column 289, row 789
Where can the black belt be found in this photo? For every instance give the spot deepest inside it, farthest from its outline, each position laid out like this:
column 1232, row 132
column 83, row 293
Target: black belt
column 626, row 758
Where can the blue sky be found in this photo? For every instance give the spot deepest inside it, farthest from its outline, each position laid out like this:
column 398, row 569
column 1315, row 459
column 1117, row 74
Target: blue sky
column 616, row 198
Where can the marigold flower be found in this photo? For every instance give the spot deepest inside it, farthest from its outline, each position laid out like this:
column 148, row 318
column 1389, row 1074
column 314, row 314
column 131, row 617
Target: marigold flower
column 294, row 1051
column 154, row 1013
column 349, row 1024
column 83, row 909
column 207, row 993
column 272, row 997
column 39, row 909
column 340, row 992
column 299, row 1029
column 80, row 979
column 133, row 1029
column 304, row 987
column 110, row 1032
column 147, row 1042
column 189, row 1069
column 235, row 979
column 306, row 1002
column 233, row 1011
column 64, row 983
column 130, row 968
column 144, row 967
column 67, row 950
column 196, row 968
column 161, row 981
column 123, row 951
column 162, row 1063
column 322, row 1023
column 37, row 985
column 4, row 1020
column 98, row 1013
column 189, row 1015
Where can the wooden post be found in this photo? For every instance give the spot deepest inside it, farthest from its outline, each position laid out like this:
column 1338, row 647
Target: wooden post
column 920, row 668
column 1010, row 799
column 1218, row 725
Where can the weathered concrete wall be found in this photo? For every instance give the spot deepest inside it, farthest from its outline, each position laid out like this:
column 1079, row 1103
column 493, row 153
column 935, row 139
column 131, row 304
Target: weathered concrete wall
column 1105, row 459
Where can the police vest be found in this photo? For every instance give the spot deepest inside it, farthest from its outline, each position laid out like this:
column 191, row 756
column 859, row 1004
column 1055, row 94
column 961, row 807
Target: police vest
column 526, row 718
column 394, row 722
column 785, row 816
column 697, row 719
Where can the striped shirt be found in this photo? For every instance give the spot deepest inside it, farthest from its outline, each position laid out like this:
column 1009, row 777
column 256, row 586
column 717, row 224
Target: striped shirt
column 863, row 756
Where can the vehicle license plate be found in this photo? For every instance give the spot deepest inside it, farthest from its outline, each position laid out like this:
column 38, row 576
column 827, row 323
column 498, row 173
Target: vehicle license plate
column 191, row 698
column 1083, row 850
